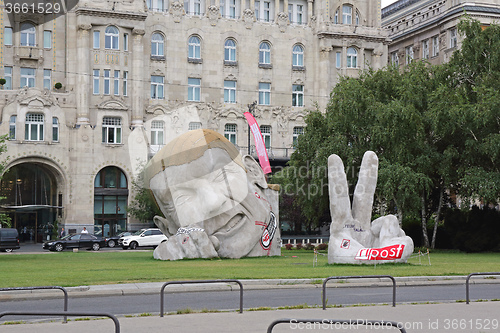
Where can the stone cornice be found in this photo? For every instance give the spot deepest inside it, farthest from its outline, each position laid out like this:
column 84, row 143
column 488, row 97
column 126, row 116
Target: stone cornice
column 111, row 14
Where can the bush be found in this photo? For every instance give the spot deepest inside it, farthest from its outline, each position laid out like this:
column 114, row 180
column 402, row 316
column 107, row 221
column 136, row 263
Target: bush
column 288, row 246
column 58, row 85
column 309, row 246
column 298, row 246
column 322, row 247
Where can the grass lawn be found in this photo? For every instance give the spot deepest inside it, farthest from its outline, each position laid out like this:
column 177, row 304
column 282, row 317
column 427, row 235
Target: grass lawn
column 91, row 268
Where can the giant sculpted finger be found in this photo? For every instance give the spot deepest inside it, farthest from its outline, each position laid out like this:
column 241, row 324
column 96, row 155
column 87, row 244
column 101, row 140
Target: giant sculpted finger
column 353, row 237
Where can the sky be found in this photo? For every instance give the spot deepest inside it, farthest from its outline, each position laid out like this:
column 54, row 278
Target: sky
column 386, row 3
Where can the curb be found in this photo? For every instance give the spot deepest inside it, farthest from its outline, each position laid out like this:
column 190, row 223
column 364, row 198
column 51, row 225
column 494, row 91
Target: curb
column 155, row 287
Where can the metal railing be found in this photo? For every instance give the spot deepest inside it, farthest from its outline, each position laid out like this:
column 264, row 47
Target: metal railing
column 63, row 313
column 43, row 288
column 359, row 277
column 331, row 323
column 162, row 296
column 467, row 283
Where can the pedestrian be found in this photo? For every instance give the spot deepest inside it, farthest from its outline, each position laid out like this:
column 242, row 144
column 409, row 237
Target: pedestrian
column 84, row 231
column 62, row 232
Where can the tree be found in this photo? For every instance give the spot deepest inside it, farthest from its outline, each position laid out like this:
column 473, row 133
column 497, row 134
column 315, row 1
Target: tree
column 143, row 206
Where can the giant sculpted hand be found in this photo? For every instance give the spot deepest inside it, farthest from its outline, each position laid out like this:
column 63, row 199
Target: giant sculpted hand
column 353, row 237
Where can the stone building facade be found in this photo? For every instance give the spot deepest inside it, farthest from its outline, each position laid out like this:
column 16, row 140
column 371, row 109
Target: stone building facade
column 427, row 29
column 89, row 96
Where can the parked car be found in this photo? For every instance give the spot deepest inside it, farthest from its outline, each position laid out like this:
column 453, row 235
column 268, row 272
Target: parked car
column 9, row 239
column 113, row 240
column 73, row 241
column 142, row 238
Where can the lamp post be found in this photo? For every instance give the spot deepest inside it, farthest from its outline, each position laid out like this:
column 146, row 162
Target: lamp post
column 251, row 109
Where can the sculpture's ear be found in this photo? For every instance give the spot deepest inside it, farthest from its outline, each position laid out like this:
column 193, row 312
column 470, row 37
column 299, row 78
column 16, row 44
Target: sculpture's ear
column 165, row 225
column 254, row 171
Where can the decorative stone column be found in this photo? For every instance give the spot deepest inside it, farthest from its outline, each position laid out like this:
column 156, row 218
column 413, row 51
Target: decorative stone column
column 83, row 85
column 276, row 9
column 310, row 12
column 137, row 78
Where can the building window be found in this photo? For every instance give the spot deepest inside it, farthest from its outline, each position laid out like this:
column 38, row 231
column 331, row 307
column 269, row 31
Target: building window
column 116, row 83
column 157, row 132
column 297, row 95
column 28, row 35
column 107, row 81
column 194, row 88
column 194, row 126
column 157, row 43
column 193, row 7
column 338, row 59
column 395, row 58
column 111, row 130
column 7, row 36
column 297, row 131
column 230, row 50
column 55, row 129
column 230, row 133
column 8, row 78
column 97, row 39
column 263, row 11
column 125, row 42
column 155, row 5
column 47, row 39
column 33, row 129
column 264, row 93
column 229, row 91
column 194, row 48
column 296, row 13
column 298, row 56
column 425, row 49
column 409, row 54
column 47, row 81
column 228, row 8
column 347, row 14
column 264, row 53
column 95, row 81
column 12, row 127
column 435, row 46
column 125, row 77
column 266, row 135
column 27, row 77
column 157, row 86
column 453, row 38
column 111, row 38
column 352, row 58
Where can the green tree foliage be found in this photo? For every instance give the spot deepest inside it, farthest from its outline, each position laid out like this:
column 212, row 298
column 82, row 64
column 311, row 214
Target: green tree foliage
column 436, row 130
column 142, row 207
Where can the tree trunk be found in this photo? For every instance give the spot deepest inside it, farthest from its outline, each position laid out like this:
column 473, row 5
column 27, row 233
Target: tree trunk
column 399, row 213
column 424, row 221
column 436, row 221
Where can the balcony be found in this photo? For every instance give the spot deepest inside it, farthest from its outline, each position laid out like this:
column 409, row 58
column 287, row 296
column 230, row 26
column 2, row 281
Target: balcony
column 28, row 53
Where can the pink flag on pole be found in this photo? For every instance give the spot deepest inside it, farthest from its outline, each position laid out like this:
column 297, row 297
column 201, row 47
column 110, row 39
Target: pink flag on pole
column 259, row 143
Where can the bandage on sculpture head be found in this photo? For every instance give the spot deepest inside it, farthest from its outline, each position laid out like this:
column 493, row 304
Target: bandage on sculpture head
column 213, row 199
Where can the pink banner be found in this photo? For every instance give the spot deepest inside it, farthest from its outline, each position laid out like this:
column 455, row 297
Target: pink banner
column 259, row 143
column 384, row 253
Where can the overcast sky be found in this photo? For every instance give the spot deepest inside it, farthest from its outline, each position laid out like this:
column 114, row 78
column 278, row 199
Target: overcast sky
column 386, row 3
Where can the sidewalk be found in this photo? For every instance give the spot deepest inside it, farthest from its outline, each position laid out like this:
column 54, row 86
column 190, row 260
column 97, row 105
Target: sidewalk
column 449, row 317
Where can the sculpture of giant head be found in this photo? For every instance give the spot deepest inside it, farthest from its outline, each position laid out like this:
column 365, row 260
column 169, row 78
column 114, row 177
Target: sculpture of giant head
column 215, row 202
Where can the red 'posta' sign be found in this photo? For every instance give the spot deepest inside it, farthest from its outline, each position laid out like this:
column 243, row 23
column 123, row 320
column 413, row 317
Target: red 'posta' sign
column 385, row 253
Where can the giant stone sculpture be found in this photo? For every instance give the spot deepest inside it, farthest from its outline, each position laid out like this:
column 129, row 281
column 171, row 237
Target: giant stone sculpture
column 215, row 202
column 353, row 237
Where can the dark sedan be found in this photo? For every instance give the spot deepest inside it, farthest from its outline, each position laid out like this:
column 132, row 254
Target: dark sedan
column 75, row 241
column 113, row 240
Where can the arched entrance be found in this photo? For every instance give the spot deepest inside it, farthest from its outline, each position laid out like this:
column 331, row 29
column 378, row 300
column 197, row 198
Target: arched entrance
column 110, row 202
column 32, row 200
